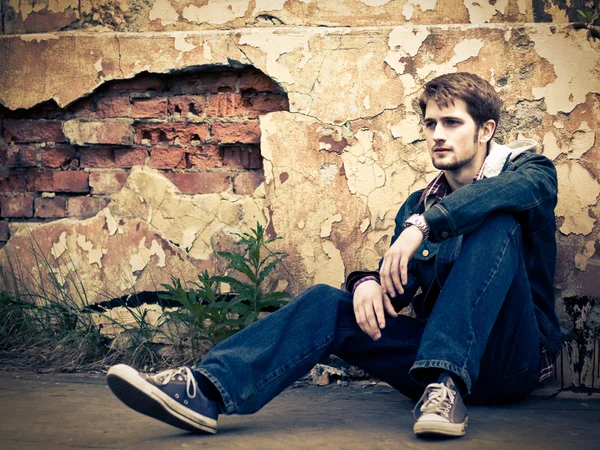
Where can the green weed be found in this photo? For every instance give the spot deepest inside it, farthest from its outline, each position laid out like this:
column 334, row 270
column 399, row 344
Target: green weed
column 212, row 315
column 47, row 322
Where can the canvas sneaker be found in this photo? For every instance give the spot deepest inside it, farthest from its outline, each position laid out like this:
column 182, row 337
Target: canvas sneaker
column 171, row 396
column 441, row 410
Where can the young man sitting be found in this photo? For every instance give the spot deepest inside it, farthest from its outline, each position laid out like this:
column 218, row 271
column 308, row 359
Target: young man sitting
column 474, row 253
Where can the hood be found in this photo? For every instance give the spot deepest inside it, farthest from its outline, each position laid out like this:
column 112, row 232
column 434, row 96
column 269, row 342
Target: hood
column 500, row 155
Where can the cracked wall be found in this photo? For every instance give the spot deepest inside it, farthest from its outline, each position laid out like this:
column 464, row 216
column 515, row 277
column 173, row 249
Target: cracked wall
column 40, row 16
column 348, row 152
column 37, row 16
column 368, row 124
column 177, row 154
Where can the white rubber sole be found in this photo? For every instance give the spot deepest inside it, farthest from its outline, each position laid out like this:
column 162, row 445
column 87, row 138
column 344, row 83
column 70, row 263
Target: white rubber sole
column 143, row 397
column 440, row 428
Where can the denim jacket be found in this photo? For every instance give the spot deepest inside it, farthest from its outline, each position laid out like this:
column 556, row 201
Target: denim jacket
column 526, row 187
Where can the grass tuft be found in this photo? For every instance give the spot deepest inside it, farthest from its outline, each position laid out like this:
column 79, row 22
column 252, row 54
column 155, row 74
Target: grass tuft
column 46, row 323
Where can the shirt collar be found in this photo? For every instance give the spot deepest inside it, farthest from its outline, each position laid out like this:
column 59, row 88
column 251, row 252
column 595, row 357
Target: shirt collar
column 436, row 190
column 439, row 187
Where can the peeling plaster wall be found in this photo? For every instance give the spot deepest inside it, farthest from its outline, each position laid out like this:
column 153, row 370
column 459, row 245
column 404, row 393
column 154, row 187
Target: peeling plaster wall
column 349, row 151
column 148, row 233
column 354, row 129
column 38, row 16
column 35, row 16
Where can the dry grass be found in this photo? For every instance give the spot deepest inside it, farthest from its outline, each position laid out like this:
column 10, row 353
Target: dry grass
column 46, row 323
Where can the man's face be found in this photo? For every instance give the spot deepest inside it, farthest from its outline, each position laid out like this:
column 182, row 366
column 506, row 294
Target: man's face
column 452, row 136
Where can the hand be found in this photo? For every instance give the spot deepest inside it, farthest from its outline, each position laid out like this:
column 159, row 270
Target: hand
column 394, row 270
column 369, row 306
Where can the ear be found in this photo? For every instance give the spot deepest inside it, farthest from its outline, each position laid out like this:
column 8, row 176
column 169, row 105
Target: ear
column 487, row 131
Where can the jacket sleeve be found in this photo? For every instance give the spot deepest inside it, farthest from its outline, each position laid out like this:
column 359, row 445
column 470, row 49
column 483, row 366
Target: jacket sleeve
column 527, row 189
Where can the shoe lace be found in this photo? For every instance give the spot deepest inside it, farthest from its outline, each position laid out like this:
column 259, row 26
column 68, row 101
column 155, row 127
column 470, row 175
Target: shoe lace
column 180, row 374
column 437, row 399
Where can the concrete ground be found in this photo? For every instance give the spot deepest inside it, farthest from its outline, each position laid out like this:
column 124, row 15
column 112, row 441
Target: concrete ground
column 78, row 411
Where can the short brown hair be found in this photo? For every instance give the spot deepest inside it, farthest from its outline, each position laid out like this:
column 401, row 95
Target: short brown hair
column 483, row 102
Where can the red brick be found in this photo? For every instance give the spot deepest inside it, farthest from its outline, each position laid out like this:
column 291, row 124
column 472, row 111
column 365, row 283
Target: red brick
column 149, row 108
column 167, row 158
column 12, row 181
column 4, row 231
column 50, row 208
column 19, row 206
column 265, row 103
column 141, row 83
column 33, row 131
column 128, row 157
column 171, row 133
column 247, row 182
column 107, row 182
column 59, row 156
column 38, row 180
column 70, row 181
column 247, row 157
column 257, row 81
column 181, row 105
column 236, row 132
column 113, row 107
column 96, row 157
column 83, row 206
column 200, row 183
column 20, row 155
column 83, row 108
column 109, row 131
column 205, row 157
column 225, row 105
column 205, row 82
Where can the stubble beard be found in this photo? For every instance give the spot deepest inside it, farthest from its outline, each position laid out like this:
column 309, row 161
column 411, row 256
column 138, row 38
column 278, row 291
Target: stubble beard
column 455, row 164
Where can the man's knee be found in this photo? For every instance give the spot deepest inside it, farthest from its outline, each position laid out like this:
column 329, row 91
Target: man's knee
column 496, row 225
column 500, row 220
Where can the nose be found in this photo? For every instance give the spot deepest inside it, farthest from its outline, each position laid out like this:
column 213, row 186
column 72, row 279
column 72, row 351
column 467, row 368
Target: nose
column 438, row 133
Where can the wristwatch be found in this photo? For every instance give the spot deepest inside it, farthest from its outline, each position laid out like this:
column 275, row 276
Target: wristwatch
column 418, row 221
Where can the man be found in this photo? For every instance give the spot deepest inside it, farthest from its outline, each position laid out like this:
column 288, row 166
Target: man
column 474, row 253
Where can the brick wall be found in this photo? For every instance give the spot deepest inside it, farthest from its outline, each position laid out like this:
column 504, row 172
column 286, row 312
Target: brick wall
column 200, row 129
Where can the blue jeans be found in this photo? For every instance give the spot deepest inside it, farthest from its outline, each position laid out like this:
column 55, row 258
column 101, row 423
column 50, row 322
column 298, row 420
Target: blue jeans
column 482, row 328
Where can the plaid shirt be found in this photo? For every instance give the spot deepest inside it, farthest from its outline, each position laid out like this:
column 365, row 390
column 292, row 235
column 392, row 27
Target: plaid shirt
column 435, row 191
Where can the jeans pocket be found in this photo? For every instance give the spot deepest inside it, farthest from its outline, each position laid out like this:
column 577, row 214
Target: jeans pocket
column 514, row 387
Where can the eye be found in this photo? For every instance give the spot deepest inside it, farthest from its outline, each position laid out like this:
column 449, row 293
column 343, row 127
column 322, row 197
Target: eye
column 429, row 125
column 452, row 122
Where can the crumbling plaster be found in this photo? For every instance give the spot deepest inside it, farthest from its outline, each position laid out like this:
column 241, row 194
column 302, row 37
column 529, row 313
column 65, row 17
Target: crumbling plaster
column 148, row 233
column 348, row 152
column 32, row 16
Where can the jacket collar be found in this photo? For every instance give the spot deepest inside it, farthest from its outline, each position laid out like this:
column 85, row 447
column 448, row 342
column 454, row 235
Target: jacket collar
column 496, row 161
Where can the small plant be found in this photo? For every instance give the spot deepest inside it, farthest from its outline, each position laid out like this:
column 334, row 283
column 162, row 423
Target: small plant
column 208, row 314
column 590, row 17
column 256, row 268
column 212, row 315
